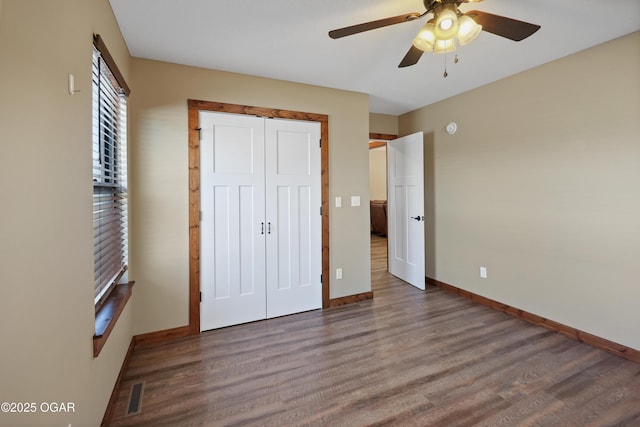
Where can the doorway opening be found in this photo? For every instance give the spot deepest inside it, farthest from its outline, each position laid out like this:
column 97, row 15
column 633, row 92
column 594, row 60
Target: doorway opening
column 403, row 207
column 378, row 200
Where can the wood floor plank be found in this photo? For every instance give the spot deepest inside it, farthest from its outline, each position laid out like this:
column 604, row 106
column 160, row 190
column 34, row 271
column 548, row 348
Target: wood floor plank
column 405, row 358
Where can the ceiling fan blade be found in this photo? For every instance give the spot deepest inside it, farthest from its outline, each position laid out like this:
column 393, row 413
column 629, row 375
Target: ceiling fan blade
column 503, row 26
column 372, row 25
column 411, row 58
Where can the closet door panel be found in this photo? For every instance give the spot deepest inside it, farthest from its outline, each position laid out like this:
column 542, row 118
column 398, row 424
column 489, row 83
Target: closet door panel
column 232, row 253
column 293, row 196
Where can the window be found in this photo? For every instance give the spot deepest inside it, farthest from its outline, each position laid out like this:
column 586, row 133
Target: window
column 110, row 229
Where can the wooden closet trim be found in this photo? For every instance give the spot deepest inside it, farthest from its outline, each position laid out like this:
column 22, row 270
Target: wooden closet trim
column 379, row 136
column 383, row 136
column 194, row 107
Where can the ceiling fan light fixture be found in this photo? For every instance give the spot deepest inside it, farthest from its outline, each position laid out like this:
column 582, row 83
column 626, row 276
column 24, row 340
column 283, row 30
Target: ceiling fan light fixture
column 425, row 38
column 446, row 25
column 444, row 45
column 447, row 29
column 468, row 30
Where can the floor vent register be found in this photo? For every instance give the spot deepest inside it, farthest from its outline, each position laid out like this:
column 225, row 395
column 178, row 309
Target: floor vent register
column 134, row 404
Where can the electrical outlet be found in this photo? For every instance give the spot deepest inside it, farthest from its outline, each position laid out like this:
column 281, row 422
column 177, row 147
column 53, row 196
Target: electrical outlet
column 338, row 273
column 483, row 272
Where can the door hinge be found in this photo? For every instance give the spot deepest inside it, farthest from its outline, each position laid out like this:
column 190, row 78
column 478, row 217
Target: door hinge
column 321, row 278
column 200, row 215
column 199, row 133
column 320, row 210
column 200, row 296
column 320, row 142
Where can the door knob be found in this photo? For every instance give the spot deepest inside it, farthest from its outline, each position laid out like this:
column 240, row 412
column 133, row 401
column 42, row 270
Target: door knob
column 418, row 218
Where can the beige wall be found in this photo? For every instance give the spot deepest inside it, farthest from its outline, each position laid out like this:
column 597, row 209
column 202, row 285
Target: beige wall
column 378, row 173
column 541, row 185
column 383, row 123
column 160, row 189
column 46, row 241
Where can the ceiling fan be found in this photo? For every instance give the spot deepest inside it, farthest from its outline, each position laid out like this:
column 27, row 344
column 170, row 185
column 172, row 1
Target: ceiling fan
column 448, row 25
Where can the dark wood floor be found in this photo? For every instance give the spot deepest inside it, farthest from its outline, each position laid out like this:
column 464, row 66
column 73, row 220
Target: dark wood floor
column 406, row 358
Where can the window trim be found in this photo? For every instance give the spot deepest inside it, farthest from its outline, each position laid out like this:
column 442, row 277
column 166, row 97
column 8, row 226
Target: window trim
column 116, row 295
column 108, row 314
column 110, row 211
column 106, row 56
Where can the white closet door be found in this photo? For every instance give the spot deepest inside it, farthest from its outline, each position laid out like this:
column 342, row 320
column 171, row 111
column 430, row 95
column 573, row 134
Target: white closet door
column 293, row 196
column 232, row 265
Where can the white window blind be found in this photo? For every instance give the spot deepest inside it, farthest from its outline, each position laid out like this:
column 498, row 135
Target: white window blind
column 110, row 227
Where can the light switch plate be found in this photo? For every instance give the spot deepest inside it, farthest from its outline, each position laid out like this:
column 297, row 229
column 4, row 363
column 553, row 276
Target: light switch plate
column 355, row 200
column 338, row 202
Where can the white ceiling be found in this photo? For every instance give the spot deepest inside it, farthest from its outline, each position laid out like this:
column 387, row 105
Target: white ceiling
column 287, row 40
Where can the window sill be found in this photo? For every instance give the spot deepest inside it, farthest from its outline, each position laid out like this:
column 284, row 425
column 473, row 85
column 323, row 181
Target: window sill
column 108, row 314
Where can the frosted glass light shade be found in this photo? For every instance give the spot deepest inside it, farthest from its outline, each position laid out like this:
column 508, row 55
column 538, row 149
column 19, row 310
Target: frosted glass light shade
column 444, row 45
column 446, row 23
column 468, row 30
column 425, row 38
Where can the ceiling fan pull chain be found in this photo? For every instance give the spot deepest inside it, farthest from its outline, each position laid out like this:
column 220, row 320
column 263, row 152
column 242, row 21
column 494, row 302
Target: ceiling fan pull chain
column 445, row 67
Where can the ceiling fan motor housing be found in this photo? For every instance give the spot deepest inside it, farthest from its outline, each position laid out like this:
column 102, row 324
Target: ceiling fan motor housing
column 430, row 5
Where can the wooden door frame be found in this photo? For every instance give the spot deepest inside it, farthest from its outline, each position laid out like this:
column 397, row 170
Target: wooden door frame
column 380, row 136
column 194, row 107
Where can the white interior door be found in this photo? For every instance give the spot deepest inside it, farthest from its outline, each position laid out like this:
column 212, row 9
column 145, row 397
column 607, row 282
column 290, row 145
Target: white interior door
column 405, row 232
column 294, row 220
column 232, row 240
